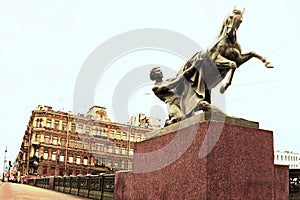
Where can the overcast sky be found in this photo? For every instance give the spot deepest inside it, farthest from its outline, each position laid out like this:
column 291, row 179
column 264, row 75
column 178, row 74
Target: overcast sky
column 44, row 44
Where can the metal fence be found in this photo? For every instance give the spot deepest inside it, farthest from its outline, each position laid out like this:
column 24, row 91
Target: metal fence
column 94, row 187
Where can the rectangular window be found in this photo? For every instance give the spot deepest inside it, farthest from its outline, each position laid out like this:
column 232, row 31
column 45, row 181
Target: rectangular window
column 71, row 143
column 54, row 140
column 131, row 152
column 45, row 170
column 64, row 126
column 85, row 161
column 47, row 139
column 129, row 165
column 80, row 129
column 139, row 138
column 63, row 142
column 56, row 124
column 73, row 127
column 116, row 165
column 117, row 150
column 71, row 159
column 79, row 144
column 62, row 157
column 112, row 134
column 123, row 164
column 78, row 160
column 132, row 138
column 45, row 155
column 49, row 123
column 124, row 136
column 87, row 130
column 54, row 155
column 110, row 149
column 118, row 135
column 124, row 151
column 37, row 137
column 109, row 164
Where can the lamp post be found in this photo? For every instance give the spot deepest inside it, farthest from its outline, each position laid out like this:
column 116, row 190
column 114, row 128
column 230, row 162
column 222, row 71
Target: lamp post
column 4, row 163
column 130, row 129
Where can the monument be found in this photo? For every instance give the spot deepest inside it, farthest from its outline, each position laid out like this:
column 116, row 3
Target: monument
column 207, row 155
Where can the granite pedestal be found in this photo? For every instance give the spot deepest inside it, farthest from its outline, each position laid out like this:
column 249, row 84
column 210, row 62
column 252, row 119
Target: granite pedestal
column 205, row 157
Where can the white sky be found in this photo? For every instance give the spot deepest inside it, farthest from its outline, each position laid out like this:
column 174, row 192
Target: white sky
column 43, row 45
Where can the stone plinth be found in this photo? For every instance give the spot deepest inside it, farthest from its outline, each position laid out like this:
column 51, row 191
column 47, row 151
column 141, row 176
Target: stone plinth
column 204, row 159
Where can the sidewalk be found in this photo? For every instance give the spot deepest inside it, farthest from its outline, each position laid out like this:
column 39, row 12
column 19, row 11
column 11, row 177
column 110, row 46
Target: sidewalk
column 14, row 191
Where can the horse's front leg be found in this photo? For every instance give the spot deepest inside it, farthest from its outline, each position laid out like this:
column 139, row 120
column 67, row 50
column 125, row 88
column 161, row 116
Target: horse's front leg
column 222, row 62
column 247, row 56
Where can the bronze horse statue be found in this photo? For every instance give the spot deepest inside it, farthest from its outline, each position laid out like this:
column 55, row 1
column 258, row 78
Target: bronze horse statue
column 206, row 69
column 218, row 62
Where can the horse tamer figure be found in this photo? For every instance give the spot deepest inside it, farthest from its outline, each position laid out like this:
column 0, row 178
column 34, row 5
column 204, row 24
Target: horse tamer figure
column 204, row 71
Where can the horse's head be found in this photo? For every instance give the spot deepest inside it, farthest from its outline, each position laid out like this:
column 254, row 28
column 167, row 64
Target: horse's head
column 232, row 23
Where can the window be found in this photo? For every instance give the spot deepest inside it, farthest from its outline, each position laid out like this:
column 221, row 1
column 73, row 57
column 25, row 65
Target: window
column 124, row 136
column 112, row 134
column 123, row 164
column 118, row 135
column 131, row 152
column 124, row 151
column 85, row 161
column 45, row 170
column 116, row 165
column 49, row 123
column 37, row 137
column 45, row 154
column 100, row 147
column 63, row 142
column 56, row 124
column 117, row 150
column 109, row 163
column 54, row 140
column 64, row 126
column 71, row 143
column 71, row 158
column 131, row 138
column 102, row 132
column 62, row 157
column 87, row 130
column 79, row 144
column 47, row 139
column 79, row 128
column 281, row 157
column 73, row 127
column 39, row 123
column 139, row 138
column 53, row 155
column 110, row 149
column 129, row 165
column 78, row 160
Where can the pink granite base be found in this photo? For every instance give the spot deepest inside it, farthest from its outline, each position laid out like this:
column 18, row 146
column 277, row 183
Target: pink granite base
column 240, row 166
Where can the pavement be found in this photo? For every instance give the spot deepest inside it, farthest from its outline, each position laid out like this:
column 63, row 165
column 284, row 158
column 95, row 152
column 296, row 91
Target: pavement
column 15, row 191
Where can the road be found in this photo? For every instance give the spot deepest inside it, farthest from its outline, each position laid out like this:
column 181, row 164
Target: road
column 14, row 191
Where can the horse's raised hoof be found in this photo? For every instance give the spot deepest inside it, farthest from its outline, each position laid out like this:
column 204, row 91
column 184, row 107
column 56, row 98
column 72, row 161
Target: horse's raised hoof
column 222, row 89
column 269, row 65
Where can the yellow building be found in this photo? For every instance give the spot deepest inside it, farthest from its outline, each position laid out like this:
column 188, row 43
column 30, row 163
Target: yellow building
column 60, row 143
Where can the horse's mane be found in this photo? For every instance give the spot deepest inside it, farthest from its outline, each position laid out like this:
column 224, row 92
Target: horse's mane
column 223, row 30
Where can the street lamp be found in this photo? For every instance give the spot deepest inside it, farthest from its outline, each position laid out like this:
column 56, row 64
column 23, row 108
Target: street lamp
column 4, row 164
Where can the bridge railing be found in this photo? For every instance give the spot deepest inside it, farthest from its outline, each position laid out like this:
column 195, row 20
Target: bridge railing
column 93, row 186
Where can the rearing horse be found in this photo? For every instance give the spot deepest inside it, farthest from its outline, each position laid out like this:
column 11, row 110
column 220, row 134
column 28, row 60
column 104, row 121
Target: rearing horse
column 206, row 69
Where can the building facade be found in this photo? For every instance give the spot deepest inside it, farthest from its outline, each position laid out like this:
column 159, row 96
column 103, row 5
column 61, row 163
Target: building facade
column 289, row 158
column 59, row 143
